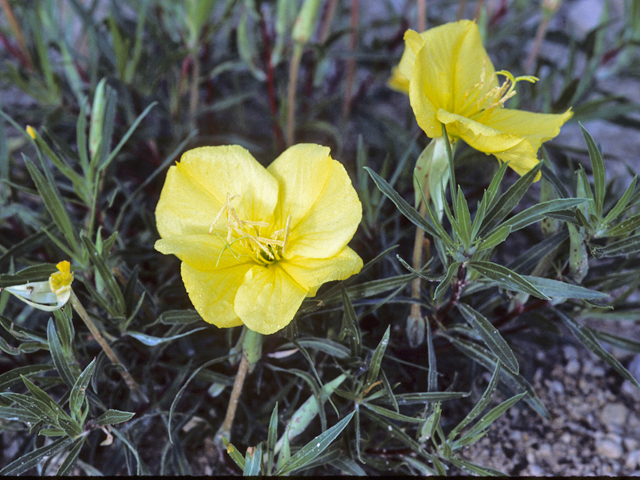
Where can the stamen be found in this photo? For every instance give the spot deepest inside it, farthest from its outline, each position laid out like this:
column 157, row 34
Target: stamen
column 286, row 234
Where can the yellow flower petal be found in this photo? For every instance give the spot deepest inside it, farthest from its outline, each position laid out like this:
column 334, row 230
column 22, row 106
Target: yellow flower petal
column 317, row 192
column 506, row 147
column 268, row 299
column 537, row 128
column 313, row 272
column 213, row 293
column 197, row 188
column 452, row 71
column 204, row 252
column 401, row 75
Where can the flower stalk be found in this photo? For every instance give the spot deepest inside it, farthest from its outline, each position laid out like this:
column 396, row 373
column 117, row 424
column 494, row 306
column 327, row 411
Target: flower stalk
column 111, row 355
column 251, row 353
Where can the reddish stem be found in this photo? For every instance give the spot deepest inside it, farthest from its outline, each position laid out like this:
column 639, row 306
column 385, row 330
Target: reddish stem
column 271, row 88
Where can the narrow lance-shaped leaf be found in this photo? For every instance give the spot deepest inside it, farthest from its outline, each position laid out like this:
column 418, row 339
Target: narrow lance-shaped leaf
column 506, row 278
column 589, row 340
column 490, row 336
column 252, row 461
column 481, row 404
column 507, row 201
column 315, row 447
column 406, row 209
column 597, row 165
column 376, row 360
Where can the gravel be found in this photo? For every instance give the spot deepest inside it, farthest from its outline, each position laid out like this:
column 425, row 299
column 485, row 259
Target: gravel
column 594, row 426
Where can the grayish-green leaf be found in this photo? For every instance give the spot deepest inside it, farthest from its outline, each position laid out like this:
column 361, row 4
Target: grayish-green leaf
column 506, row 278
column 152, row 341
column 111, row 417
column 490, row 336
column 586, row 336
column 376, row 359
column 252, row 461
column 556, row 289
column 315, row 447
column 597, row 165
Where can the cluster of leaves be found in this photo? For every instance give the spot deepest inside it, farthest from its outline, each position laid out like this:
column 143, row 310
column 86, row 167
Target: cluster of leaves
column 113, row 107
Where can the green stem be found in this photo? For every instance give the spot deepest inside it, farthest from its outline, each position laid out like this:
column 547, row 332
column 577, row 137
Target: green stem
column 452, row 173
column 291, row 97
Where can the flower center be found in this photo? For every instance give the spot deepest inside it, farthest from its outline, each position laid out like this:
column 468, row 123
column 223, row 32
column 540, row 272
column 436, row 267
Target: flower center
column 498, row 95
column 246, row 233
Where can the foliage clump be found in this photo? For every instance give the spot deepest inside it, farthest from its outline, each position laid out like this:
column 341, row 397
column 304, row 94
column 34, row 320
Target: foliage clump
column 377, row 373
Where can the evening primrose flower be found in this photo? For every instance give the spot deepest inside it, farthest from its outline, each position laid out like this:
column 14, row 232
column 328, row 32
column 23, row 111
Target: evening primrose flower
column 255, row 242
column 451, row 81
column 50, row 295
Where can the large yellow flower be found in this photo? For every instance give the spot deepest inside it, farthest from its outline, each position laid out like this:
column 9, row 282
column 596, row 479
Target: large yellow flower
column 451, row 80
column 255, row 242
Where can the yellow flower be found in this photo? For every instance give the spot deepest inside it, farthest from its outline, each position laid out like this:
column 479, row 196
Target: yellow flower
column 50, row 295
column 255, row 242
column 451, row 80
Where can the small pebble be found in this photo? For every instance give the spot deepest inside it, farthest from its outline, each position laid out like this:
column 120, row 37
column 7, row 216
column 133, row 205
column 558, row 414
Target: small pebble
column 570, row 352
column 631, row 390
column 535, row 470
column 545, row 450
column 566, row 438
column 573, row 367
column 557, row 387
column 633, row 459
column 609, row 448
column 631, row 444
column 614, row 416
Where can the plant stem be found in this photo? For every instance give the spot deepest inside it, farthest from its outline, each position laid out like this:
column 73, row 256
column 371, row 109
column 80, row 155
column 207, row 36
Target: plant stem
column 193, row 94
column 351, row 64
column 422, row 15
column 251, row 353
column 291, row 96
column 111, row 355
column 416, row 285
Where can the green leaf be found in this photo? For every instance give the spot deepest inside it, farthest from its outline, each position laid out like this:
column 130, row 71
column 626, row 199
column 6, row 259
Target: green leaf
column 350, row 326
column 271, row 438
column 78, row 391
column 597, row 165
column 18, row 414
column 330, row 347
column 391, row 414
column 446, row 281
column 463, row 218
column 252, row 461
column 586, row 336
column 618, row 248
column 106, row 274
column 234, row 453
column 418, row 398
column 53, row 203
column 496, row 237
column 59, row 358
column 179, row 317
column 70, row 459
column 492, row 415
column 406, row 209
column 621, row 205
column 315, row 447
column 515, row 383
column 506, row 278
column 152, row 341
column 33, row 458
column 490, row 336
column 35, row 406
column 628, row 344
column 15, row 375
column 111, row 417
column 540, row 211
column 376, row 360
column 625, row 227
column 556, row 289
column 508, row 200
column 480, row 405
